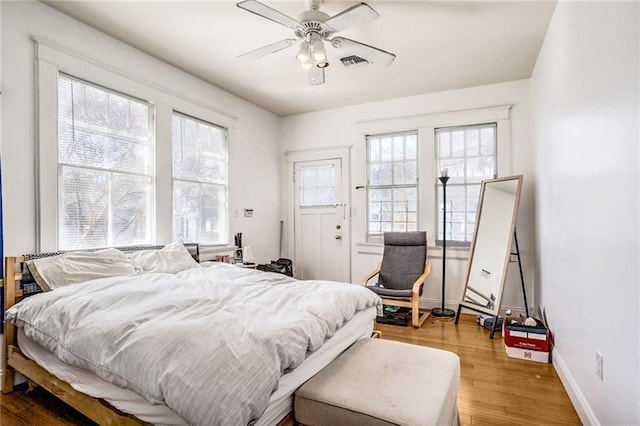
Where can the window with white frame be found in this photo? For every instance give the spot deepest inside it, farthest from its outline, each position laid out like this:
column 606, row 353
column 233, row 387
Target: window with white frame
column 317, row 186
column 392, row 190
column 199, row 171
column 468, row 153
column 105, row 167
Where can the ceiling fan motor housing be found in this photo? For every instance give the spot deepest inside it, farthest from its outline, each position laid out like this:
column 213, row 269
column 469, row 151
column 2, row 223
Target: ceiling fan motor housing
column 313, row 23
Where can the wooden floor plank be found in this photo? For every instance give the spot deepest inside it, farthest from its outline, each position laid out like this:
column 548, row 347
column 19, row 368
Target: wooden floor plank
column 494, row 389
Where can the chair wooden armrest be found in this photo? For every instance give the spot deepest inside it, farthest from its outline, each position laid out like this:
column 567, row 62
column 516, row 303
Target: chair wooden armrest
column 420, row 281
column 366, row 279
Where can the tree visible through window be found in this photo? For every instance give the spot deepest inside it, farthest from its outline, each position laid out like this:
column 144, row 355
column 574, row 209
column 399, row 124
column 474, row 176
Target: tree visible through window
column 105, row 167
column 469, row 155
column 392, row 194
column 199, row 181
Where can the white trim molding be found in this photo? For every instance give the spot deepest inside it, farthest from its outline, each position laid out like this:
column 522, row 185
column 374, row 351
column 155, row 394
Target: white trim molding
column 292, row 157
column 580, row 402
column 78, row 64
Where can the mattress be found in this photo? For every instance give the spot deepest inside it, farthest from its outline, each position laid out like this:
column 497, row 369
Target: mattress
column 127, row 401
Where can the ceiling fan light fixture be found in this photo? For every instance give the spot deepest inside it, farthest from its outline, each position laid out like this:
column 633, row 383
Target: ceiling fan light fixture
column 322, row 64
column 319, row 52
column 303, row 55
column 307, row 65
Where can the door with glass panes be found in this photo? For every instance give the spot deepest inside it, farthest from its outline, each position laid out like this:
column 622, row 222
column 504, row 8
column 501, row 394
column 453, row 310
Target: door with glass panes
column 319, row 222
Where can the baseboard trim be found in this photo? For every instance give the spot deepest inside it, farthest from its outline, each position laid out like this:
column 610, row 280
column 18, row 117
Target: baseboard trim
column 586, row 414
column 430, row 302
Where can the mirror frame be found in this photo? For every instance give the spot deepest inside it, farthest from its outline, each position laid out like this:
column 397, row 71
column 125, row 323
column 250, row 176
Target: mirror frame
column 507, row 255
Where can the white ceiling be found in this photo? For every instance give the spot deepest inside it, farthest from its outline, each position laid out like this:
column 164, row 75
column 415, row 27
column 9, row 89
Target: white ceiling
column 439, row 45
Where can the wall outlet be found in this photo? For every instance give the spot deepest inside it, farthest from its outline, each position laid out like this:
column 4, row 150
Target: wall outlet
column 599, row 362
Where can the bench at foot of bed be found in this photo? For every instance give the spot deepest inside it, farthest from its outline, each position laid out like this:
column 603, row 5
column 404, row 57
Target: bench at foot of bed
column 381, row 382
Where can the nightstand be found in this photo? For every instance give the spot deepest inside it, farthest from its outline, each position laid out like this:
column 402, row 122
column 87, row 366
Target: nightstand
column 249, row 265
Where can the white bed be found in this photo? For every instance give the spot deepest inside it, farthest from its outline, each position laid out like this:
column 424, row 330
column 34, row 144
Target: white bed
column 280, row 404
column 218, row 345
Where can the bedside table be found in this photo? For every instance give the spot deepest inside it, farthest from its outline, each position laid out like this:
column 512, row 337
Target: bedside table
column 248, row 266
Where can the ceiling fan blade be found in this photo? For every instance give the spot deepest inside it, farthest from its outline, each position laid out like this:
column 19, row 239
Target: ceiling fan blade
column 266, row 50
column 370, row 53
column 356, row 15
column 316, row 76
column 265, row 11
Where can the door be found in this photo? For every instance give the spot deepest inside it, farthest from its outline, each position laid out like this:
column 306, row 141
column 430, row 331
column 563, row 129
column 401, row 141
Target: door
column 319, row 220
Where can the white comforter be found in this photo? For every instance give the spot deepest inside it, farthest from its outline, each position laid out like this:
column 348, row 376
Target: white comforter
column 210, row 343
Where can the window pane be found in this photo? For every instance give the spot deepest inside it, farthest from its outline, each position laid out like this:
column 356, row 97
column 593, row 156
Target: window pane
column 455, row 168
column 393, row 181
column 105, row 167
column 374, row 150
column 398, row 148
column 131, row 199
column 199, row 170
column 473, row 142
column 199, row 151
column 317, row 186
column 473, row 149
column 411, row 147
column 199, row 212
column 381, row 174
column 444, row 145
column 488, row 141
column 84, row 218
column 386, row 149
column 457, row 144
column 479, row 169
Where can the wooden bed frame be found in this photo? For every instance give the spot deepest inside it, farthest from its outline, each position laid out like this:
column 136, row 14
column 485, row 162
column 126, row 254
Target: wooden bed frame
column 14, row 360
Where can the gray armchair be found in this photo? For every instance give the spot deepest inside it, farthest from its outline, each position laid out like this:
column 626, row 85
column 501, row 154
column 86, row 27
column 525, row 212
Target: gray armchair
column 402, row 272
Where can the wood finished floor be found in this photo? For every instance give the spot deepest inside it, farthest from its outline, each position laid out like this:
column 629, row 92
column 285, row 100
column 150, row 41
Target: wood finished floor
column 494, row 389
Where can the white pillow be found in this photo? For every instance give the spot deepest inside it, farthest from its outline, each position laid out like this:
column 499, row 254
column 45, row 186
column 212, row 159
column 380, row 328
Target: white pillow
column 172, row 258
column 76, row 267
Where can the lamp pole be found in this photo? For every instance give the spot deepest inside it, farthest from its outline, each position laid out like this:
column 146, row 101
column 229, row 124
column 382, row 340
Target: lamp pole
column 443, row 312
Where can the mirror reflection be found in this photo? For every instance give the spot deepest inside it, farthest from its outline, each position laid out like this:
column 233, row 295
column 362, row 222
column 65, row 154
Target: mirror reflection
column 491, row 246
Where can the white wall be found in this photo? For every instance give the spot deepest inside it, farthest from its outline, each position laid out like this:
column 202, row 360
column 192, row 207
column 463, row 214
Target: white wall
column 584, row 92
column 254, row 164
column 338, row 127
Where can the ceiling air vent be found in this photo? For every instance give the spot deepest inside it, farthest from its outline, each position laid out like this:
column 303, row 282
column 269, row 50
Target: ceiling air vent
column 353, row 61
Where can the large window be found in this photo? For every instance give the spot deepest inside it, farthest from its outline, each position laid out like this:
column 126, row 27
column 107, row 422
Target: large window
column 392, row 190
column 105, row 167
column 199, row 152
column 469, row 155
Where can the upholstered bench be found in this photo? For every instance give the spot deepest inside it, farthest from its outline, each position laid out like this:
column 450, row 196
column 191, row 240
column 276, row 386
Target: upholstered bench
column 381, row 382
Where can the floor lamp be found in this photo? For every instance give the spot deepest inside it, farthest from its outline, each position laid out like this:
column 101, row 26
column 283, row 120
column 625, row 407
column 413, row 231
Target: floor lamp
column 443, row 312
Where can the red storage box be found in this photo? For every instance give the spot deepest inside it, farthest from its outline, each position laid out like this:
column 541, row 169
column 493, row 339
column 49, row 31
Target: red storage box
column 532, row 338
column 520, row 353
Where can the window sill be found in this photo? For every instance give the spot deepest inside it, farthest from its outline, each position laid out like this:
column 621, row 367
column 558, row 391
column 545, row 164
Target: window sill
column 433, row 251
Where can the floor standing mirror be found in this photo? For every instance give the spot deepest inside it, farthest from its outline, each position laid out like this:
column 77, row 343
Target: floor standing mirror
column 491, row 246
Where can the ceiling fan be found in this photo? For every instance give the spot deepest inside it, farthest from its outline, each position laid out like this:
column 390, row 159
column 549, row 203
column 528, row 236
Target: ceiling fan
column 312, row 29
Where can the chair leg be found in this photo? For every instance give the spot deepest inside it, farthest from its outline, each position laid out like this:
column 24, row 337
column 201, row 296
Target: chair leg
column 416, row 318
column 415, row 314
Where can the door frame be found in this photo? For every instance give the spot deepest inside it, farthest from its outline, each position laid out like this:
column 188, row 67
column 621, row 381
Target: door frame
column 342, row 153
